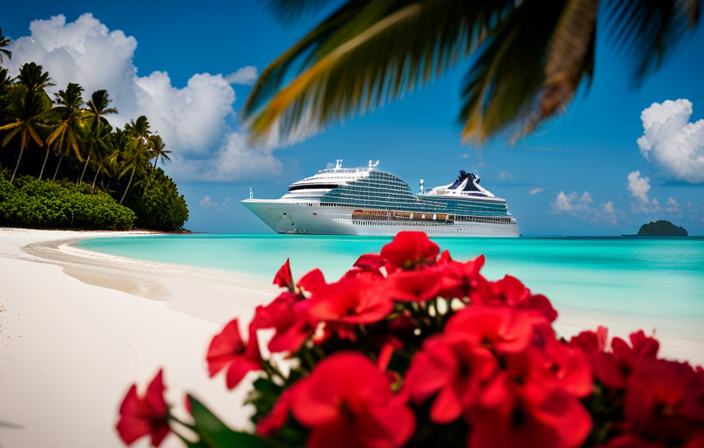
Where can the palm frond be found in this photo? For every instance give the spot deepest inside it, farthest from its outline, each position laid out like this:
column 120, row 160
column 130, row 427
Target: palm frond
column 504, row 83
column 645, row 30
column 366, row 54
column 286, row 10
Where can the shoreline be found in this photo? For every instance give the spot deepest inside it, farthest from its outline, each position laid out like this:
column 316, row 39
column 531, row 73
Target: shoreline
column 78, row 327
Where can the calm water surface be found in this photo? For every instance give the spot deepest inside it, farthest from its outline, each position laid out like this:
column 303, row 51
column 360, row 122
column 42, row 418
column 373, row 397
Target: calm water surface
column 650, row 277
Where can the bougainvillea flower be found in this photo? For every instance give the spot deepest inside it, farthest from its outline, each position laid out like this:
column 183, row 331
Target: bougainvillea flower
column 569, row 366
column 558, row 421
column 414, row 286
column 591, row 342
column 228, row 351
column 353, row 300
column 512, row 292
column 409, row 250
column 347, row 403
column 368, row 264
column 503, row 329
column 148, row 415
column 284, row 277
column 452, row 367
column 291, row 324
column 632, row 441
column 461, row 280
column 662, row 402
column 272, row 422
column 613, row 368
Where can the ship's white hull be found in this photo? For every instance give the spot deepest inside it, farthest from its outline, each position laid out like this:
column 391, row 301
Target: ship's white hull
column 312, row 219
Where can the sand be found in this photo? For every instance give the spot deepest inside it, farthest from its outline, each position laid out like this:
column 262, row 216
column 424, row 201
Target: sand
column 77, row 328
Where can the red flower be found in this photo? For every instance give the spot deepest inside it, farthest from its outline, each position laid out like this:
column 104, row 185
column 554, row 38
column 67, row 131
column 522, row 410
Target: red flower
column 558, row 421
column 368, row 264
column 524, row 407
column 227, row 350
column 352, row 300
column 292, row 327
column 284, row 277
column 409, row 250
column 416, row 286
column 512, row 292
column 664, row 401
column 452, row 366
column 591, row 342
column 148, row 415
column 271, row 423
column 569, row 367
column 347, row 402
column 461, row 280
column 613, row 369
column 503, row 329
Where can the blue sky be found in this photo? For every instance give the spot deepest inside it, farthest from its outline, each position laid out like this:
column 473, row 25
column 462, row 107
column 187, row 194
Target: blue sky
column 582, row 173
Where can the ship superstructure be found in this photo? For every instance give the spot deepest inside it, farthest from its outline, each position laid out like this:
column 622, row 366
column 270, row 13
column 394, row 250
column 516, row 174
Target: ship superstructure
column 367, row 201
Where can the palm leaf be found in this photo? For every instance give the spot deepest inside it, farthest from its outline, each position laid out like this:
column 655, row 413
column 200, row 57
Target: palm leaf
column 645, row 30
column 367, row 53
column 504, row 83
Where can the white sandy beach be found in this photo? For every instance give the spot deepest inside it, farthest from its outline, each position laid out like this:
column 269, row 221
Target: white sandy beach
column 77, row 328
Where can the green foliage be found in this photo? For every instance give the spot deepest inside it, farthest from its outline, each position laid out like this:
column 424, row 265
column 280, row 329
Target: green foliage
column 45, row 204
column 213, row 433
column 661, row 228
column 157, row 204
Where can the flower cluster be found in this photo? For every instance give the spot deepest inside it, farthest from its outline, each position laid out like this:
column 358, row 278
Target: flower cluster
column 411, row 348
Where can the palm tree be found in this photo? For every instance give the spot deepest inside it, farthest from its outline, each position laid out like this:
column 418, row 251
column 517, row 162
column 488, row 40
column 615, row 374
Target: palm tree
column 33, row 76
column 156, row 149
column 29, row 111
column 4, row 42
column 97, row 124
column 137, row 156
column 66, row 135
column 529, row 57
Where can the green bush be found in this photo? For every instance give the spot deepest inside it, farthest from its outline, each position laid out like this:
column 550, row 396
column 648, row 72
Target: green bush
column 157, row 204
column 45, row 204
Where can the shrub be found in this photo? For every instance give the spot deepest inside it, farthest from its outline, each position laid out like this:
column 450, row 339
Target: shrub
column 157, row 204
column 46, row 204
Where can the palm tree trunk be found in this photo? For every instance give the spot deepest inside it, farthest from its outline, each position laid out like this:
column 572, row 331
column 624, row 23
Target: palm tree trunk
column 95, row 178
column 57, row 166
column 84, row 172
column 41, row 173
column 128, row 186
column 18, row 162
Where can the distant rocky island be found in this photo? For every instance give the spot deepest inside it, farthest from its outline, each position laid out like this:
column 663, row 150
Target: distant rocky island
column 661, row 228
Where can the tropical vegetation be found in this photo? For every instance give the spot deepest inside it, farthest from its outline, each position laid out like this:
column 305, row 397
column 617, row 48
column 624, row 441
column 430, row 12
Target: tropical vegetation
column 661, row 228
column 527, row 58
column 69, row 142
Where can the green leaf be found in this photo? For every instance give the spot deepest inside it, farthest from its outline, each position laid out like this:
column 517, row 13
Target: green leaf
column 215, row 434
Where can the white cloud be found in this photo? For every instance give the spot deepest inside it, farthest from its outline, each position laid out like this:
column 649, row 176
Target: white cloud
column 536, row 190
column 581, row 206
column 572, row 203
column 639, row 187
column 207, row 202
column 671, row 142
column 245, row 75
column 192, row 120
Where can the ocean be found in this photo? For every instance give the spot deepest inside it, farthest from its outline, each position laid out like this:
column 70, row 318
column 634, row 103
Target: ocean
column 624, row 276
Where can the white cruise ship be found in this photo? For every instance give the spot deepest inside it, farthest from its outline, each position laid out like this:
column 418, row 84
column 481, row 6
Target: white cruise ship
column 366, row 201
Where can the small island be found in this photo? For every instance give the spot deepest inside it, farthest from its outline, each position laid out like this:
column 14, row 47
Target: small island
column 661, row 228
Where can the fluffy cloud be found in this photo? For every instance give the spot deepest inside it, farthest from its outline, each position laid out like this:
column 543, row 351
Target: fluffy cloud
column 246, row 76
column 207, row 202
column 671, row 142
column 192, row 120
column 581, row 206
column 536, row 190
column 639, row 187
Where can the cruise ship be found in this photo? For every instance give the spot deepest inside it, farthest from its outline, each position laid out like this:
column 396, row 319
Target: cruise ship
column 367, row 201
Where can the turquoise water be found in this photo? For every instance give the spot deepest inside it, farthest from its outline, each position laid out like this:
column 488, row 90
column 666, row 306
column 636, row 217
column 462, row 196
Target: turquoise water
column 651, row 277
